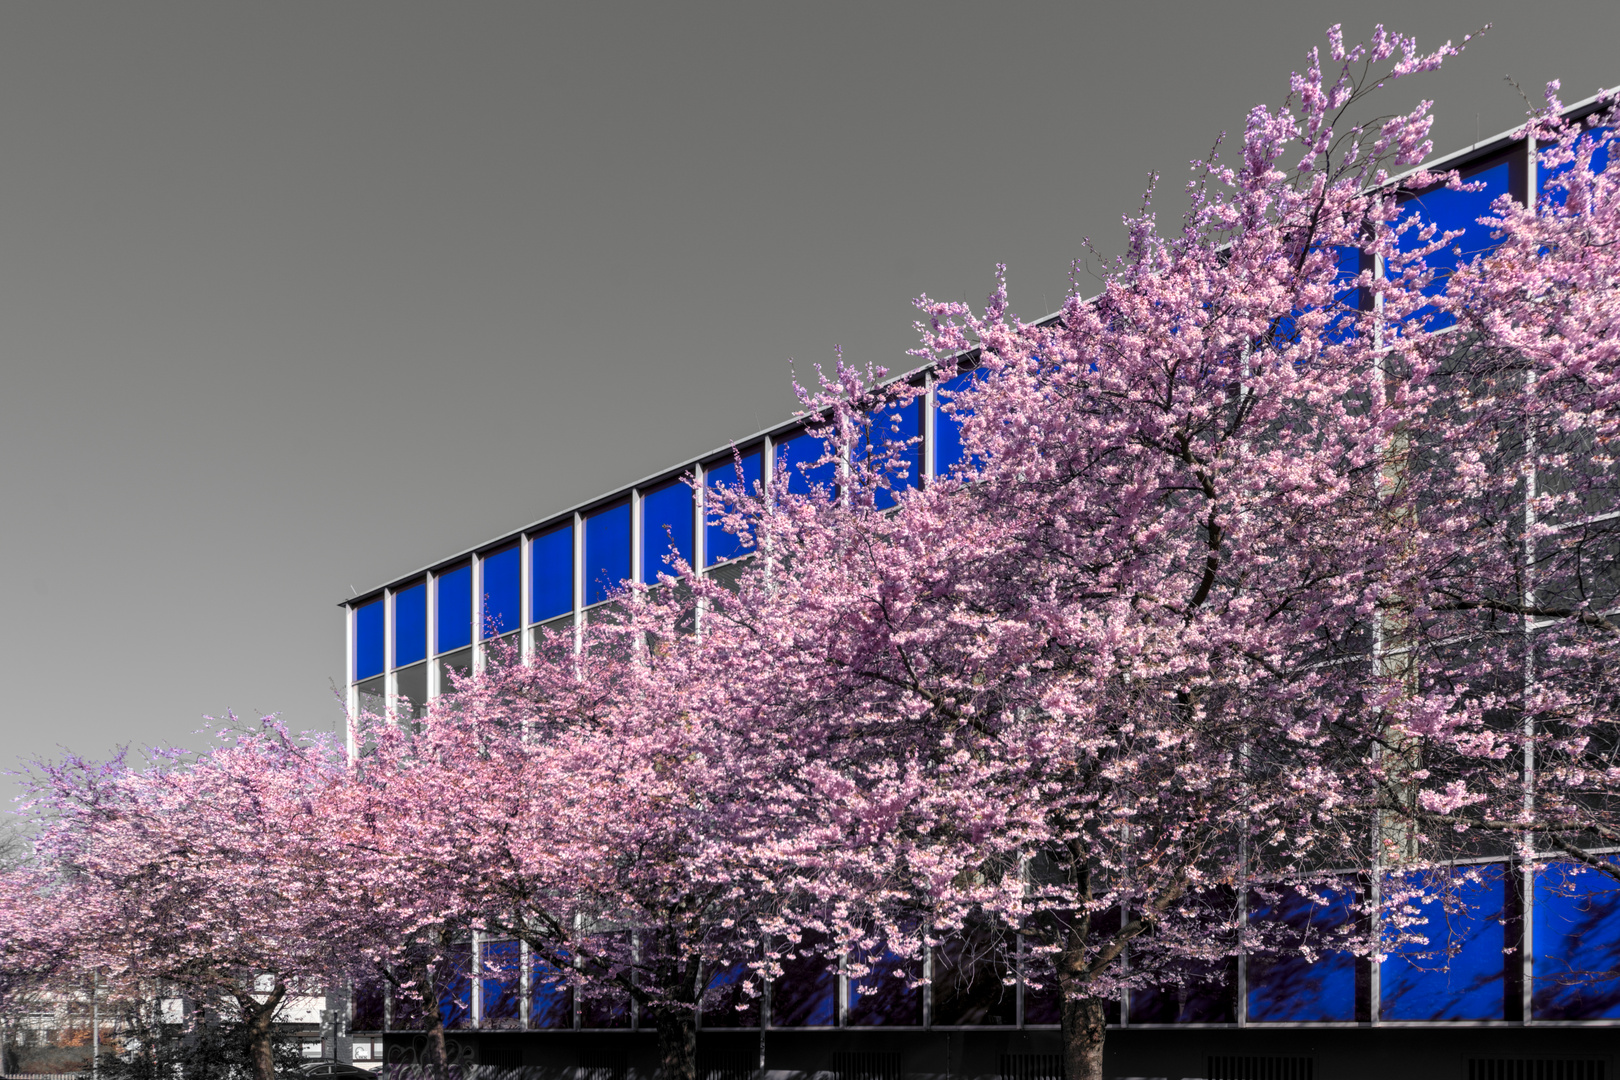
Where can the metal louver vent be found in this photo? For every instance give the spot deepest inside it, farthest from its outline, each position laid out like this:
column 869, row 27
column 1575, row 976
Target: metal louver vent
column 1537, row 1069
column 869, row 1066
column 1261, row 1068
column 726, row 1064
column 1031, row 1067
column 603, row 1065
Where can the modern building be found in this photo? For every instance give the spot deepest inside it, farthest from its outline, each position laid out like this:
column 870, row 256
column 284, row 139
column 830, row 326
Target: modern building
column 1501, row 1009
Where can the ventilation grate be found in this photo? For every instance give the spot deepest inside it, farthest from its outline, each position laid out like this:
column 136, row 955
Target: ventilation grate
column 1261, row 1068
column 500, row 1053
column 603, row 1065
column 866, row 1066
column 727, row 1064
column 1031, row 1067
column 1536, row 1069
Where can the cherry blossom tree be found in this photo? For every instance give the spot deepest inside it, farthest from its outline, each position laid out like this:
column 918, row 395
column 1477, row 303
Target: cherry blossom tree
column 191, row 873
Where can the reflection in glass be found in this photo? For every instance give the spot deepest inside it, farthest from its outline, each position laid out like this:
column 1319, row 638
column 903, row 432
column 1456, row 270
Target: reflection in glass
column 455, row 1003
column 1459, row 973
column 805, row 994
column 799, row 453
column 972, row 978
column 607, row 552
column 551, row 1001
column 410, row 624
column 666, row 521
column 893, row 451
column 745, row 475
column 887, row 994
column 1284, row 987
column 502, row 592
column 455, row 609
column 1577, row 945
column 947, row 427
column 373, row 697
column 1449, row 210
column 726, row 1004
column 368, row 640
column 456, row 663
column 502, row 974
column 411, row 686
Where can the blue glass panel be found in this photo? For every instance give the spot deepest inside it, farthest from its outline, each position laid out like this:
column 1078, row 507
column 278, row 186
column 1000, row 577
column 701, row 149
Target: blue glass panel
column 503, row 589
column 798, row 454
column 455, row 609
column 947, row 428
column 1291, row 988
column 1455, row 210
column 883, row 997
column 607, row 552
column 410, row 625
column 551, row 572
column 726, row 1004
column 805, row 995
column 893, row 428
column 551, row 999
column 666, row 519
column 1576, row 966
column 455, row 1002
column 1599, row 163
column 368, row 640
column 503, row 983
column 720, row 545
column 1459, row 974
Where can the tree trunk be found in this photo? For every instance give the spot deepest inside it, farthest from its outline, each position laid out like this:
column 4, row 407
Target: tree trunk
column 258, row 1022
column 677, row 1042
column 1085, row 1025
column 438, row 1054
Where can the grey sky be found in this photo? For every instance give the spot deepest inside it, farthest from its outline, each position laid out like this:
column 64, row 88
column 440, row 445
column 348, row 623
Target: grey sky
column 296, row 297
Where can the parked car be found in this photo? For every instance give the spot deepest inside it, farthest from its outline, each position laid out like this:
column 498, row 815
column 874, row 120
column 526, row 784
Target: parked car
column 334, row 1070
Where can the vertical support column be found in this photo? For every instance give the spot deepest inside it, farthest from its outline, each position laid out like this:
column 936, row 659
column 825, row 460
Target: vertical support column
column 579, row 607
column 390, row 680
column 432, row 585
column 1018, row 991
column 477, row 565
column 925, row 458
column 475, row 973
column 928, row 986
column 635, row 534
column 841, row 1006
column 525, row 985
column 1527, row 915
column 525, row 598
column 351, row 699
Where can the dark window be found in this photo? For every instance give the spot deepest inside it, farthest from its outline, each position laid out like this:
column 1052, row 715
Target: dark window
column 411, row 685
column 743, row 475
column 455, row 609
column 1284, row 986
column 726, row 1004
column 457, row 663
column 666, row 521
column 368, row 640
column 885, row 996
column 552, row 573
column 502, row 592
column 503, row 983
column 551, row 1000
column 373, row 696
column 607, row 552
column 805, row 993
column 972, row 978
column 410, row 624
column 455, row 1004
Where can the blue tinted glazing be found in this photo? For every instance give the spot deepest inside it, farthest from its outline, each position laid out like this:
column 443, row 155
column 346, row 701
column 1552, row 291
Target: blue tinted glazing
column 1599, row 162
column 666, row 520
column 718, row 544
column 607, row 552
column 368, row 640
column 1458, row 975
column 503, row 982
column 726, row 1002
column 410, row 625
column 805, row 995
column 947, row 428
column 552, row 1002
column 883, row 997
column 455, row 609
column 503, row 590
column 1286, row 988
column 1577, row 945
column 455, row 1003
column 1451, row 210
column 798, row 454
column 893, row 449
column 552, row 574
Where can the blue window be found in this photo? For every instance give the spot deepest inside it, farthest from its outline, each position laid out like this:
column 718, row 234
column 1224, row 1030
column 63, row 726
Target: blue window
column 552, row 1001
column 666, row 519
column 455, row 609
column 502, row 975
column 1600, row 161
column 502, row 592
column 1459, row 974
column 607, row 552
column 410, row 624
column 805, row 994
column 947, row 428
column 551, row 571
column 799, row 453
column 1577, row 945
column 1450, row 210
column 893, row 450
column 1289, row 988
column 720, row 545
column 884, row 996
column 455, row 1004
column 368, row 640
column 726, row 1004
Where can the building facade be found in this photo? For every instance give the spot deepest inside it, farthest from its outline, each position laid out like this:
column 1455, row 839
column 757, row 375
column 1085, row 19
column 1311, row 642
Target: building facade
column 1517, row 1000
